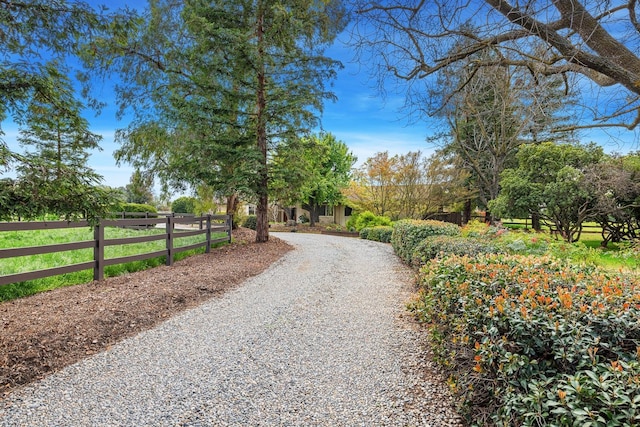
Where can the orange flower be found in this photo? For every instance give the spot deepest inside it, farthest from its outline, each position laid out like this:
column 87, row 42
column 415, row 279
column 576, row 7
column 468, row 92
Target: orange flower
column 616, row 365
column 562, row 394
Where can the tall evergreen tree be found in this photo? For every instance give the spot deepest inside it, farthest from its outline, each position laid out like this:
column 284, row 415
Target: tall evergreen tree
column 217, row 85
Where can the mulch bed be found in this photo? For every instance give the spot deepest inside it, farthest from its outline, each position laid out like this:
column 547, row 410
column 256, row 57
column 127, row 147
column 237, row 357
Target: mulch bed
column 46, row 332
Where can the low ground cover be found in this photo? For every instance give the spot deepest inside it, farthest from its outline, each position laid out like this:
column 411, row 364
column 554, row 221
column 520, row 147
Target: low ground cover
column 535, row 334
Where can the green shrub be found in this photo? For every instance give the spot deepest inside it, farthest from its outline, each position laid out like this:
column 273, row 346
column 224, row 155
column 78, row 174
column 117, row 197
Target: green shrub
column 136, row 207
column 351, row 222
column 364, row 233
column 408, row 233
column 433, row 246
column 251, row 221
column 184, row 205
column 530, row 340
column 381, row 233
column 367, row 219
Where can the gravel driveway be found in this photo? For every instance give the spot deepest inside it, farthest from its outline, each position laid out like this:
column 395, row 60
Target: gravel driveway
column 316, row 340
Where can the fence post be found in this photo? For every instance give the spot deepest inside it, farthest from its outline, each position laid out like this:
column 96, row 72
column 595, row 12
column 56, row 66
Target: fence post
column 169, row 231
column 208, row 234
column 98, row 252
column 229, row 225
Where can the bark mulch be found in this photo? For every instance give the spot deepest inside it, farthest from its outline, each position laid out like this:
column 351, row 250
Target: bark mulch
column 48, row 331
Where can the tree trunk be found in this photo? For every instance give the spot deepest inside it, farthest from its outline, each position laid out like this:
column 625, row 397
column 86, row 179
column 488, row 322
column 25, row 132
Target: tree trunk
column 488, row 218
column 466, row 214
column 314, row 213
column 262, row 220
column 232, row 208
column 535, row 221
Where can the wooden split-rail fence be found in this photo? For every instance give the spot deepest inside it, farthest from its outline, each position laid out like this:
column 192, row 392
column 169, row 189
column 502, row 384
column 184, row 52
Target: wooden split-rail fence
column 206, row 225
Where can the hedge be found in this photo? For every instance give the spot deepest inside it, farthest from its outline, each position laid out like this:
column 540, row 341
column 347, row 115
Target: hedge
column 433, row 246
column 530, row 340
column 407, row 234
column 380, row 233
column 136, row 207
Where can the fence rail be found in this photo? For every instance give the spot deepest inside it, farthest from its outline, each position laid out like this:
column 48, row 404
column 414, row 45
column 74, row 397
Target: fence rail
column 206, row 226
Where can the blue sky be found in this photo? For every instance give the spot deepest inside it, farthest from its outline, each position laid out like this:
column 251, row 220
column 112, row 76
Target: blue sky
column 365, row 121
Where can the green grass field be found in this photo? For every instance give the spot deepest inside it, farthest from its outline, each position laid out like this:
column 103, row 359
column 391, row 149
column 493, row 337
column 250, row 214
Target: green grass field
column 589, row 230
column 16, row 239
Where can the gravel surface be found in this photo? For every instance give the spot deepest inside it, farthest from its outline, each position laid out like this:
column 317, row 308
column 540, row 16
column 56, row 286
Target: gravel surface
column 319, row 339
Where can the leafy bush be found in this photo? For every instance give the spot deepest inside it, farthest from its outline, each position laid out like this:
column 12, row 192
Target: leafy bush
column 136, row 207
column 381, row 233
column 431, row 247
column 531, row 340
column 481, row 229
column 364, row 233
column 351, row 222
column 184, row 205
column 408, row 233
column 251, row 221
column 367, row 219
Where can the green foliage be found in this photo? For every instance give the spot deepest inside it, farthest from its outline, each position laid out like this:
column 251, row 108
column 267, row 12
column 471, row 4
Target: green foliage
column 250, row 222
column 184, row 204
column 380, row 233
column 36, row 93
column 52, row 176
column 216, row 120
column 531, row 340
column 549, row 181
column 435, row 246
column 367, row 219
column 312, row 171
column 136, row 207
column 351, row 222
column 407, row 234
column 139, row 188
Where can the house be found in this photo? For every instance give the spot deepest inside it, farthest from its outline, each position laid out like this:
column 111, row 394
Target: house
column 338, row 214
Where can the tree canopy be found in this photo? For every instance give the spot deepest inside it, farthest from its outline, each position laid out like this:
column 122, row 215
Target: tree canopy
column 312, row 171
column 40, row 39
column 415, row 40
column 550, row 181
column 216, row 86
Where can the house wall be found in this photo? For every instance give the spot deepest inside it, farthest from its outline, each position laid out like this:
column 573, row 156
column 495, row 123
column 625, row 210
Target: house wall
column 338, row 216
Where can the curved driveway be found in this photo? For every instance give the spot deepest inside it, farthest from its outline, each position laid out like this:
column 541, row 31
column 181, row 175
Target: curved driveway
column 317, row 340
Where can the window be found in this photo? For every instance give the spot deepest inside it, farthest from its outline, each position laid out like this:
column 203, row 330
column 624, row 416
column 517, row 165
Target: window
column 252, row 210
column 326, row 210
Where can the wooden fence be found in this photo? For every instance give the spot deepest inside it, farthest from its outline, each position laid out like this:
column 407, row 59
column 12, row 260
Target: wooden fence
column 206, row 225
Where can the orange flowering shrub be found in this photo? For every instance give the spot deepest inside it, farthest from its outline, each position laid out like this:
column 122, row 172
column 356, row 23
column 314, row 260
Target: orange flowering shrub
column 531, row 340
